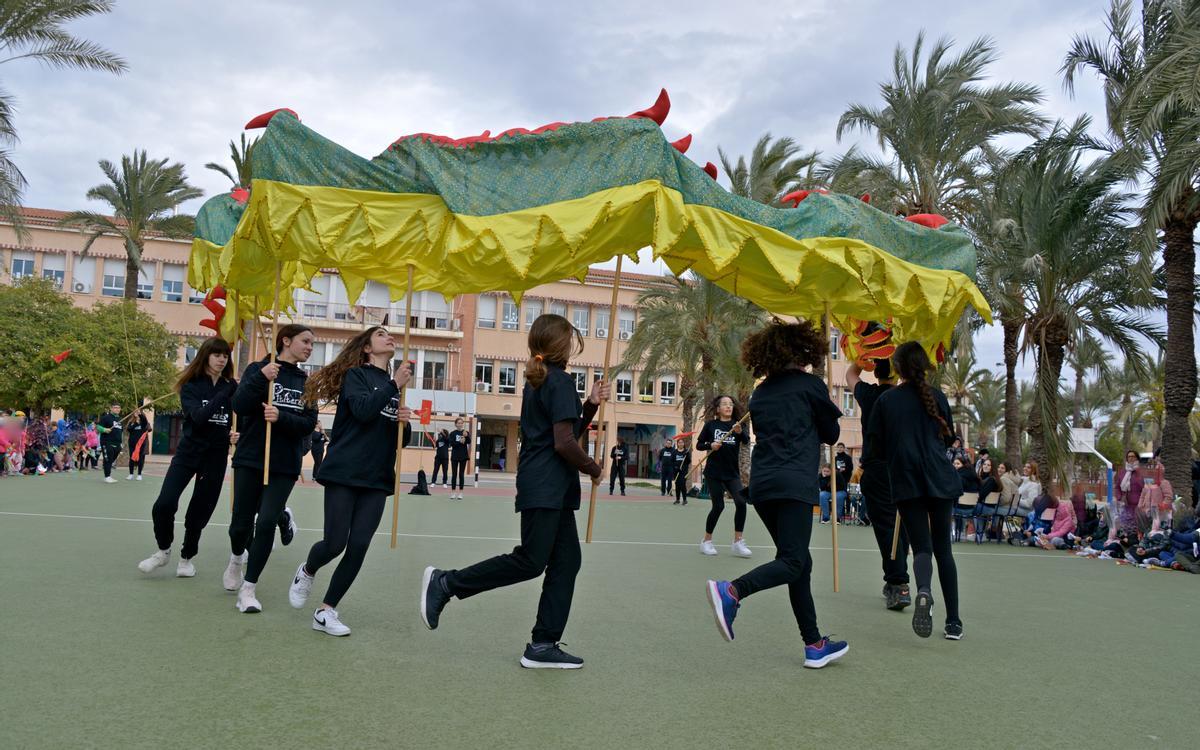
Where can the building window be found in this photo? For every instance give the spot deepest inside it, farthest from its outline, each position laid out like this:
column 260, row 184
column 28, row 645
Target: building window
column 581, row 383
column 195, row 297
column 508, row 379
column 114, row 286
column 602, row 323
column 558, row 308
column 533, row 311
column 83, row 275
column 834, row 348
column 189, row 353
column 625, row 387
column 579, row 319
column 172, row 291
column 487, row 311
column 55, row 276
column 511, row 315
column 22, row 265
column 847, row 403
column 666, row 391
column 625, row 321
column 483, row 376
column 646, row 392
column 54, row 267
column 145, row 283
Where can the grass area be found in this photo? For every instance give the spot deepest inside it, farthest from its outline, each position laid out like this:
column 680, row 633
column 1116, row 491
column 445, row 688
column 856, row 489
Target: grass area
column 97, row 655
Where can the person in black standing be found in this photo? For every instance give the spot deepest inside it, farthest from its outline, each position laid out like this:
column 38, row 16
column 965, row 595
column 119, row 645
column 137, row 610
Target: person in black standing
column 441, row 457
column 293, row 420
column 844, row 466
column 460, row 449
column 360, row 471
column 666, row 468
column 619, row 455
column 722, row 436
column 548, row 468
column 138, row 426
column 683, row 467
column 910, row 431
column 792, row 415
column 110, row 429
column 317, row 449
column 877, row 490
column 205, row 390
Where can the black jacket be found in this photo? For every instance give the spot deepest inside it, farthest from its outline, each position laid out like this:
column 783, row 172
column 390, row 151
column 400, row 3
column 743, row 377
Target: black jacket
column 296, row 419
column 910, row 442
column 207, row 410
column 362, row 452
column 137, row 428
column 723, row 465
column 792, row 417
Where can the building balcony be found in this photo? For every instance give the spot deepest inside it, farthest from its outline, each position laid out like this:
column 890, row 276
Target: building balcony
column 436, row 323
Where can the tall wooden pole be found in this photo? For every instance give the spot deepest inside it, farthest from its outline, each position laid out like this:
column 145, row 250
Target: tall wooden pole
column 832, row 455
column 400, row 405
column 271, row 383
column 602, row 438
column 237, row 351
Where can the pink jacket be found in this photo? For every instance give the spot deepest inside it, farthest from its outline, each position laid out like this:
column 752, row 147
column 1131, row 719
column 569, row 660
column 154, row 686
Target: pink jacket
column 1135, row 487
column 92, row 437
column 1064, row 520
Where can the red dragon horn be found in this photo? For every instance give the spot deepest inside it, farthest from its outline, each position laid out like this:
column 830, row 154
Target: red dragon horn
column 683, row 144
column 710, row 169
column 262, row 120
column 658, row 111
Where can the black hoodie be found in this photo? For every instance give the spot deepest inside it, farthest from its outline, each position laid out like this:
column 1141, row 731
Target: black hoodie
column 362, row 452
column 296, row 419
column 206, row 418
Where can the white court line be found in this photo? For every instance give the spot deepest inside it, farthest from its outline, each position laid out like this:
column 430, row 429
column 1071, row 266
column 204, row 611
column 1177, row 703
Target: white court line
column 514, row 539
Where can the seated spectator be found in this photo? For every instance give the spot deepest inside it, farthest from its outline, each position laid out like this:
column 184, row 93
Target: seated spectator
column 965, row 507
column 989, row 485
column 1062, row 528
column 824, row 485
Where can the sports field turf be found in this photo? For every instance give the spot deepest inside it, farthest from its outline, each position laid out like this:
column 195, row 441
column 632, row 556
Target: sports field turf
column 1059, row 651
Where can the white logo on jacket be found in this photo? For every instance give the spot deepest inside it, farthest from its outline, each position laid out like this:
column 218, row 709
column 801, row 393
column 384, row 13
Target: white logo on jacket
column 219, row 417
column 724, row 437
column 289, row 398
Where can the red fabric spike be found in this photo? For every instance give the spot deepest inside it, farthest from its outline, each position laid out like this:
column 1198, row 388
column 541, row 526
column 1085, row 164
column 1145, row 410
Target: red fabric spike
column 683, row 144
column 211, row 324
column 548, row 127
column 795, row 197
column 710, row 169
column 941, row 353
column 933, row 221
column 658, row 111
column 240, row 194
column 262, row 120
column 514, row 131
column 218, row 292
column 58, row 358
column 865, row 197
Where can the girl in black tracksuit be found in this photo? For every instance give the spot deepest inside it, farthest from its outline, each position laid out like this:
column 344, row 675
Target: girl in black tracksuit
column 292, row 420
column 552, row 421
column 360, row 471
column 723, row 437
column 441, row 456
column 460, row 448
column 911, row 428
column 666, row 469
column 138, row 426
column 683, row 467
column 205, row 388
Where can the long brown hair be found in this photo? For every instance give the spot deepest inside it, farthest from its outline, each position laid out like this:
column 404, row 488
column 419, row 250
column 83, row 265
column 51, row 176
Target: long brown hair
column 780, row 346
column 913, row 364
column 289, row 331
column 552, row 340
column 199, row 364
column 326, row 384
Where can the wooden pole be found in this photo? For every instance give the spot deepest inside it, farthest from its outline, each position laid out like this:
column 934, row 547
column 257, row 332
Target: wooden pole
column 602, row 438
column 237, row 350
column 896, row 534
column 271, row 384
column 400, row 405
column 832, row 455
column 709, row 454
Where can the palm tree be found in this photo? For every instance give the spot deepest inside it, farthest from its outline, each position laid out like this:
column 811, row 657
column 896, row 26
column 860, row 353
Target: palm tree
column 937, row 122
column 34, row 31
column 775, row 169
column 1153, row 106
column 1085, row 357
column 1126, row 389
column 987, row 408
column 143, row 197
column 242, row 174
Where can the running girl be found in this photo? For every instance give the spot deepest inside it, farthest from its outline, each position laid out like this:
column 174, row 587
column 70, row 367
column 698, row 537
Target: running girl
column 205, row 388
column 360, row 470
column 722, row 436
column 552, row 421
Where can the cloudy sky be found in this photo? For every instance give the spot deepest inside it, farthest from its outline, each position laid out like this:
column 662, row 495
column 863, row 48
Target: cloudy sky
column 363, row 73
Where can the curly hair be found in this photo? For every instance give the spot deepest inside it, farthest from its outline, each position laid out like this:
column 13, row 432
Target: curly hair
column 714, row 407
column 913, row 364
column 783, row 346
column 326, row 384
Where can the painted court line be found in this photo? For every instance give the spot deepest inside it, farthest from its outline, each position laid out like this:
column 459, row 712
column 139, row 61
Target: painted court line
column 514, row 539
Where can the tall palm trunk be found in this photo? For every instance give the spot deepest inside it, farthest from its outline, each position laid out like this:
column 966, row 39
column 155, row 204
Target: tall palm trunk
column 1127, row 426
column 1044, row 416
column 1012, row 404
column 131, row 280
column 1179, row 362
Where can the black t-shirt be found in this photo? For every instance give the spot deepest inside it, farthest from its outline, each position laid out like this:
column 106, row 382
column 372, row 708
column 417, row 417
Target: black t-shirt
column 460, row 445
column 544, row 478
column 137, row 428
column 619, row 455
column 362, row 452
column 112, row 423
column 723, row 464
column 442, row 444
column 793, row 416
column 845, row 469
column 666, row 461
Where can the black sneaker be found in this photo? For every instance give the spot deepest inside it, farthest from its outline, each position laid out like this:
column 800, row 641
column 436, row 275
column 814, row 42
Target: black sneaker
column 891, row 595
column 287, row 526
column 433, row 596
column 548, row 656
column 923, row 615
column 954, row 631
column 675, row 503
column 903, row 597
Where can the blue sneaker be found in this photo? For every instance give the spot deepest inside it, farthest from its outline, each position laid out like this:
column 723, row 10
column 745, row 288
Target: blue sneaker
column 724, row 606
column 823, row 652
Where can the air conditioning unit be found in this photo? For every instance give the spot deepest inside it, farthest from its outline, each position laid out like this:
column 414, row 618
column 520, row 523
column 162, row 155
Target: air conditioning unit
column 482, row 387
column 601, row 333
column 624, row 335
column 80, row 287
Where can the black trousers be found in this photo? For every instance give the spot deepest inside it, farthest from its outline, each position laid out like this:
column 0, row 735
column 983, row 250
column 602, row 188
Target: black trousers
column 210, row 477
column 928, row 522
column 318, row 455
column 681, row 488
column 550, row 545
column 666, row 480
column 252, row 498
column 110, row 457
column 881, row 509
column 443, row 463
column 617, row 472
column 458, row 473
column 789, row 523
column 140, row 463
column 352, row 516
column 716, row 491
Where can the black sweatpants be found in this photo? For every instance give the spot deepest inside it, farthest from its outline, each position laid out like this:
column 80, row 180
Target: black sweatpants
column 616, row 472
column 250, row 498
column 443, row 463
column 789, row 523
column 135, row 467
column 110, row 457
column 458, row 473
column 928, row 522
column 716, row 491
column 318, row 456
column 210, row 477
column 681, row 487
column 877, row 491
column 550, row 545
column 352, row 516
column 666, row 480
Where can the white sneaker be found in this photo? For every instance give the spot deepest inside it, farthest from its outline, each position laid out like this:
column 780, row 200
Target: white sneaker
column 157, row 560
column 708, row 548
column 232, row 579
column 301, row 587
column 326, row 621
column 139, row 477
column 445, row 486
column 129, row 478
column 739, row 548
column 246, row 601
column 110, row 480
column 185, row 569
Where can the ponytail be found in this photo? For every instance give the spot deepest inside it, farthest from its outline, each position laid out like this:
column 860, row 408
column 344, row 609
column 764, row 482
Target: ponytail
column 535, row 371
column 552, row 340
column 913, row 363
